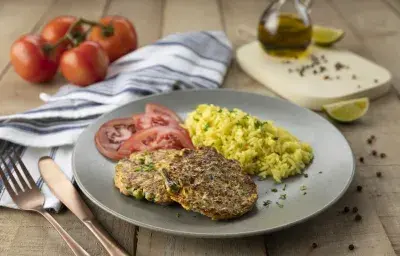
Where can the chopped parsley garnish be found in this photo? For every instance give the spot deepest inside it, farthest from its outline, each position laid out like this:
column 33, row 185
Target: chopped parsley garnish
column 282, row 197
column 220, row 110
column 304, row 193
column 274, row 190
column 302, row 188
column 206, row 126
column 278, row 204
column 257, row 124
column 195, row 119
column 178, row 215
column 284, row 187
column 267, row 203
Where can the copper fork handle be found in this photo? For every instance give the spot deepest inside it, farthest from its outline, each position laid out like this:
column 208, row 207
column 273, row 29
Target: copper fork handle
column 75, row 247
column 105, row 239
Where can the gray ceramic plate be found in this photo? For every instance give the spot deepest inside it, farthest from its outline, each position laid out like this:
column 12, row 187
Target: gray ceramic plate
column 333, row 158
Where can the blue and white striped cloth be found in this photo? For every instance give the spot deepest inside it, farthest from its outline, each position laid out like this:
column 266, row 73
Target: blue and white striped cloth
column 180, row 61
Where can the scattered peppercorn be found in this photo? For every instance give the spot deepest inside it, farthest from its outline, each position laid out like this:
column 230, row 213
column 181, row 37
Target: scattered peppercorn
column 372, row 137
column 354, row 77
column 326, row 77
column 378, row 174
column 369, row 141
column 376, row 80
column 361, row 159
column 374, row 153
column 319, row 172
column 359, row 188
column 322, row 69
column 355, row 209
column 346, row 209
column 290, row 70
column 305, row 175
column 351, row 247
column 383, row 155
column 315, row 72
column 358, row 217
column 314, row 245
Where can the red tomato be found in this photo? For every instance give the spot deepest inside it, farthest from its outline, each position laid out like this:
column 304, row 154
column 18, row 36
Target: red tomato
column 111, row 135
column 57, row 28
column 161, row 110
column 144, row 121
column 31, row 61
column 121, row 39
column 158, row 137
column 85, row 64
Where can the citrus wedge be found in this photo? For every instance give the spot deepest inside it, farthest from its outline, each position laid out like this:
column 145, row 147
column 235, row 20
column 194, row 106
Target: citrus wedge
column 326, row 36
column 348, row 110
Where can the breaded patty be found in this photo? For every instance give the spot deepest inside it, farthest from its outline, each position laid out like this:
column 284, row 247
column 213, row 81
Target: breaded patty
column 138, row 175
column 205, row 181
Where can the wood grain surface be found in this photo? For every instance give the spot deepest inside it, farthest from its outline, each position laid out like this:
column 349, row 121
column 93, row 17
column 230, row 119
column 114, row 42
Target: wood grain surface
column 372, row 29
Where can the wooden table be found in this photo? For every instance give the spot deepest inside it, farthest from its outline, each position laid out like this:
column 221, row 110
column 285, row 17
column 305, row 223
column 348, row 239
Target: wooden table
column 372, row 30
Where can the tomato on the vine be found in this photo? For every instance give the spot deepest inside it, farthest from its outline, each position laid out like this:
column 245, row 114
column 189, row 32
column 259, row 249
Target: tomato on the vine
column 85, row 64
column 58, row 27
column 118, row 37
column 33, row 60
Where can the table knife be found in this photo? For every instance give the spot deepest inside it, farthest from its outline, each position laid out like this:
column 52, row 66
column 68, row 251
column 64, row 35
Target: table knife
column 63, row 189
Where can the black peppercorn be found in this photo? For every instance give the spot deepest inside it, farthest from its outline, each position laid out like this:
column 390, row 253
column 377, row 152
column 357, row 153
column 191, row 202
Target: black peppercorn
column 355, row 209
column 383, row 155
column 346, row 209
column 374, row 153
column 351, row 247
column 314, row 245
column 306, row 175
column 369, row 141
column 361, row 159
column 358, row 217
column 378, row 174
column 359, row 188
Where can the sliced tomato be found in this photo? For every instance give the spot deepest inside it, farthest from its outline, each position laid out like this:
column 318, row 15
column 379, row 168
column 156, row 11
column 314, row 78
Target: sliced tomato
column 112, row 134
column 144, row 121
column 161, row 110
column 154, row 138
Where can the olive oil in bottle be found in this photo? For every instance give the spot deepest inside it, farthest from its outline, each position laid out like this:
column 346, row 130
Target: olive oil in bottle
column 285, row 34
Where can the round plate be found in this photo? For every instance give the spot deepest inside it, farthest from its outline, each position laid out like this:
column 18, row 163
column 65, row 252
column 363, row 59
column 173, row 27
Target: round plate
column 329, row 175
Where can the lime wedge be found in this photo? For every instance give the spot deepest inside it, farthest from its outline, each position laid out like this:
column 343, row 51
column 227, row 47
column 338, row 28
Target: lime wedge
column 326, row 36
column 347, row 111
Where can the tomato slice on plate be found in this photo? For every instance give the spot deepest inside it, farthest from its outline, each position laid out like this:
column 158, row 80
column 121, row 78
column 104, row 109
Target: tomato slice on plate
column 148, row 120
column 157, row 137
column 111, row 136
column 161, row 110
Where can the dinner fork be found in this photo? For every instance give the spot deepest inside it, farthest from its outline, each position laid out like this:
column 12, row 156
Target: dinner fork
column 27, row 196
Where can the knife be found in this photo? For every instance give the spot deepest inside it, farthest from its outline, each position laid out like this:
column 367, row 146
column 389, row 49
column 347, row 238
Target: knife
column 63, row 189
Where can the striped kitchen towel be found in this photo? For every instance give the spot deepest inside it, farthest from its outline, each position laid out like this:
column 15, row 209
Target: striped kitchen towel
column 183, row 61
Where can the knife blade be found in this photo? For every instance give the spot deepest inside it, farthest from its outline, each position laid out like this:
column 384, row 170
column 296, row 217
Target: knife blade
column 63, row 189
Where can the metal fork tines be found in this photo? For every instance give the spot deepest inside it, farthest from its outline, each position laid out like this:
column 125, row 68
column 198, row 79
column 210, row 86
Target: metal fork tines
column 27, row 196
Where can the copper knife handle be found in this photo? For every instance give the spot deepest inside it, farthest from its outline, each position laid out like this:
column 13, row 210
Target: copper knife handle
column 105, row 239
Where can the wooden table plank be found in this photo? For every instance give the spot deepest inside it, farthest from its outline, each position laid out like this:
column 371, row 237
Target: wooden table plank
column 154, row 243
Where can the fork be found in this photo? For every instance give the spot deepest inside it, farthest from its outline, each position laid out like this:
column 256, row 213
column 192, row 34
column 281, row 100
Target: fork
column 27, row 196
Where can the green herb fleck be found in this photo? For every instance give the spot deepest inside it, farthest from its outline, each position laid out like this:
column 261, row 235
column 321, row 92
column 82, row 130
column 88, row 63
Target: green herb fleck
column 304, row 193
column 206, row 126
column 141, row 160
column 257, row 124
column 274, row 190
column 220, row 110
column 278, row 204
column 284, row 187
column 178, row 215
column 195, row 119
column 267, row 203
column 282, row 197
column 302, row 188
